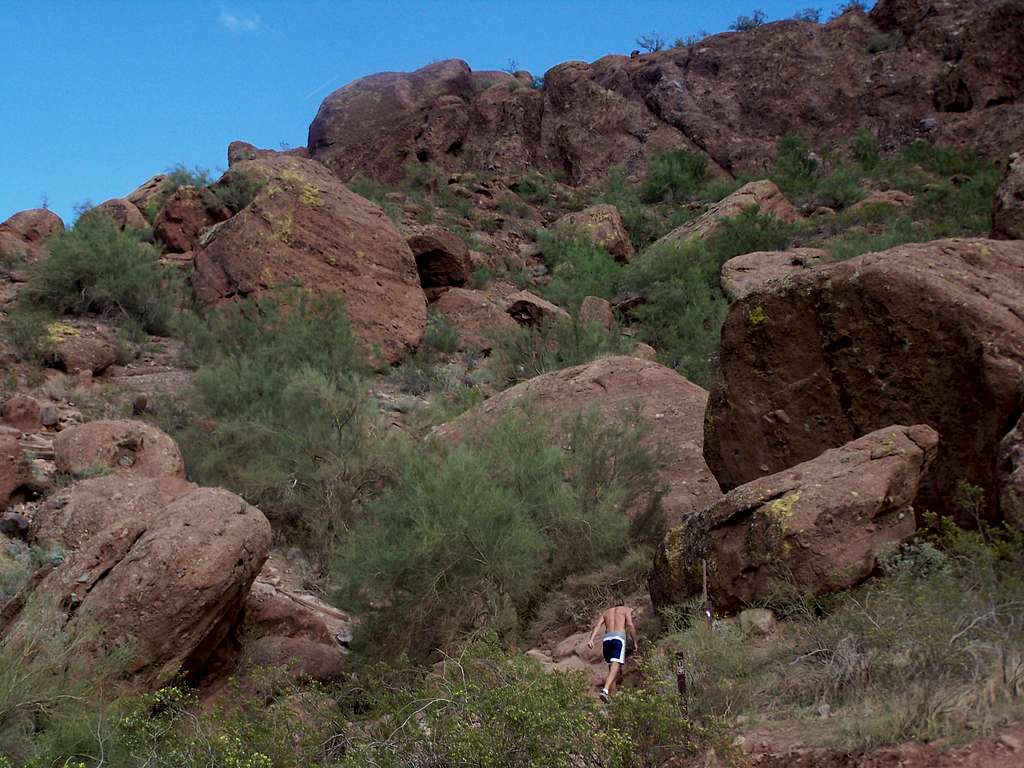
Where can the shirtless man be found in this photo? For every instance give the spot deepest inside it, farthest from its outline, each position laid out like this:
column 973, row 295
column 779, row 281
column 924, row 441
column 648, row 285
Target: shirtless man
column 617, row 622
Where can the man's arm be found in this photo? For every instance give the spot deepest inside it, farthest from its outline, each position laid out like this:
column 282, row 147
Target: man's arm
column 597, row 627
column 630, row 627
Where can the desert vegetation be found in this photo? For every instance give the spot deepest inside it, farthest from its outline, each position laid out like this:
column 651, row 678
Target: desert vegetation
column 457, row 484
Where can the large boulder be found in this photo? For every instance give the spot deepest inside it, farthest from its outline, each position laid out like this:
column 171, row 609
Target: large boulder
column 473, row 314
column 26, row 232
column 240, row 151
column 1008, row 207
column 439, row 114
column 185, row 215
column 305, row 226
column 21, row 411
column 602, row 225
column 529, row 309
column 442, row 258
column 74, row 516
column 762, row 195
column 286, row 626
column 163, row 592
column 14, row 470
column 124, row 213
column 672, row 406
column 749, row 271
column 928, row 333
column 819, row 526
column 145, row 196
column 131, row 447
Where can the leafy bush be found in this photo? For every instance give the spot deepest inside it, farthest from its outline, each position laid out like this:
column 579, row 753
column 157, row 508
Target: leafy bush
column 534, row 188
column 673, row 176
column 522, row 353
column 865, row 149
column 794, row 165
column 812, row 15
column 749, row 23
column 484, row 708
column 377, row 193
column 683, row 306
column 579, row 268
column 883, row 41
column 95, row 267
column 470, row 535
column 237, row 189
column 644, row 223
column 279, row 413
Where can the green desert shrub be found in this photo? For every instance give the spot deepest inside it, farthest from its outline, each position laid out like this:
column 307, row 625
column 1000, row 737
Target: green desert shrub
column 377, row 193
column 470, row 535
column 534, row 188
column 673, row 176
column 749, row 23
column 95, row 267
column 521, row 353
column 794, row 166
column 280, row 414
column 579, row 268
column 644, row 223
column 683, row 305
column 179, row 175
column 237, row 189
column 485, row 708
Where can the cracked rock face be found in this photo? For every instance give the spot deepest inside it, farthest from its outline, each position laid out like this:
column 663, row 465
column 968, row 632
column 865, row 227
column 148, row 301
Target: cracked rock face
column 819, row 526
column 162, row 588
column 929, row 333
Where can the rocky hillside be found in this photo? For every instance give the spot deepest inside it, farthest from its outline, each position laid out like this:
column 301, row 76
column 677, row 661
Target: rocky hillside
column 947, row 72
column 333, row 459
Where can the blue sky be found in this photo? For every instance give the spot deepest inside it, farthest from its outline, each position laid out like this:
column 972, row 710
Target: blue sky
column 98, row 95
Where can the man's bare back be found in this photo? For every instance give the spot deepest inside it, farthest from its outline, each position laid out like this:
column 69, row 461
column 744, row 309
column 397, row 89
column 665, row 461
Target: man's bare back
column 617, row 623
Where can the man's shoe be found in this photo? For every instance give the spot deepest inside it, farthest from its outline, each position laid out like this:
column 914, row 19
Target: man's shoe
column 604, row 695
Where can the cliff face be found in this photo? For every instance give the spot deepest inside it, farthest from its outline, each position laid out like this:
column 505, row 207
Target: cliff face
column 946, row 71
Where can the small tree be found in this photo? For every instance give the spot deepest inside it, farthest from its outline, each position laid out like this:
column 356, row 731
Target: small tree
column 812, row 15
column 747, row 23
column 651, row 42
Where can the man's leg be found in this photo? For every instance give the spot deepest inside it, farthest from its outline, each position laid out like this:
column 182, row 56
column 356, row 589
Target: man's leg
column 613, row 672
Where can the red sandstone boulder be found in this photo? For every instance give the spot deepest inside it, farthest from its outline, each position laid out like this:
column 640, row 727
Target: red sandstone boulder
column 763, row 195
column 164, row 591
column 597, row 310
column 74, row 516
column 22, row 412
column 26, row 232
column 132, row 447
column 305, row 226
column 14, row 470
column 602, row 225
column 89, row 352
column 672, row 406
column 149, row 190
column 892, row 198
column 240, row 151
column 1008, row 207
column 439, row 114
column 472, row 313
column 285, row 626
column 442, row 258
column 819, row 526
column 529, row 309
column 746, row 273
column 929, row 333
column 125, row 213
column 184, row 216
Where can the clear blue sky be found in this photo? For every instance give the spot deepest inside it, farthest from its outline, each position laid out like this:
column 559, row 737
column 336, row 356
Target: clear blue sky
column 98, row 95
